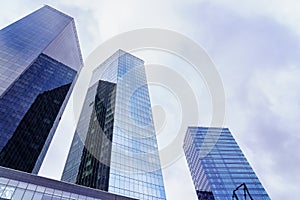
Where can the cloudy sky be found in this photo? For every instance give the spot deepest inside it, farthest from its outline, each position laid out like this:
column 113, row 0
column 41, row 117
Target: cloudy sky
column 255, row 45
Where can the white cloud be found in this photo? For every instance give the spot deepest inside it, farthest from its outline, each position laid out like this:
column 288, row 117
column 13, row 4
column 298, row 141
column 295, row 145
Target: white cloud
column 285, row 12
column 281, row 89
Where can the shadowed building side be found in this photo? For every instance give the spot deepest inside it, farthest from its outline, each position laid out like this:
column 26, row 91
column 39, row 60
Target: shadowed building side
column 24, row 147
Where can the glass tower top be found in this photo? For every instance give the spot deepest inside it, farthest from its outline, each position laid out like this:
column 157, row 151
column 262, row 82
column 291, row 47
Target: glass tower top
column 114, row 147
column 45, row 31
column 218, row 166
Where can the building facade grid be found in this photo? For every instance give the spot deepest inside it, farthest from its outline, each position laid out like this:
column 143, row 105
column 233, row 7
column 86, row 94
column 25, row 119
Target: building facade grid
column 218, row 166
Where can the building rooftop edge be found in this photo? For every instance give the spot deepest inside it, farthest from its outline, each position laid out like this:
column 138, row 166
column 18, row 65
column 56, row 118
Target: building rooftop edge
column 57, row 11
column 74, row 27
column 117, row 53
column 206, row 127
column 55, row 184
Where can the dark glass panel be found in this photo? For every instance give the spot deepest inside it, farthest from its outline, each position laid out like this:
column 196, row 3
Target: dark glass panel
column 19, row 106
column 24, row 147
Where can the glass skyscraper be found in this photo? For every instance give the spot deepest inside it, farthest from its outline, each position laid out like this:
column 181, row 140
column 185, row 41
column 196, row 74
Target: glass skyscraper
column 218, row 166
column 39, row 61
column 114, row 146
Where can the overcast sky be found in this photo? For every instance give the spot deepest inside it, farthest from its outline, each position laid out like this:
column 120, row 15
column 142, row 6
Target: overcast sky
column 255, row 45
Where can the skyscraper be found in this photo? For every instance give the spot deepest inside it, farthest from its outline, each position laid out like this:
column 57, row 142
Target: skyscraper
column 39, row 61
column 114, row 146
column 218, row 166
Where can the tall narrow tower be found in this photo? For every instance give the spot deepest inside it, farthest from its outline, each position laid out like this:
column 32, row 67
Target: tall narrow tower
column 114, row 147
column 39, row 61
column 218, row 166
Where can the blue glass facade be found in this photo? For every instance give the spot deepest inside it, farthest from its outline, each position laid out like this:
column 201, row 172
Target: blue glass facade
column 218, row 166
column 124, row 149
column 37, row 72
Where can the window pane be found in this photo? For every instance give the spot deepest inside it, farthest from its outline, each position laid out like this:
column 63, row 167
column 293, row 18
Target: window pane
column 13, row 183
column 37, row 196
column 3, row 180
column 2, row 187
column 31, row 187
column 28, row 195
column 49, row 191
column 46, row 197
column 8, row 192
column 22, row 185
column 40, row 189
column 55, row 198
column 18, row 194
